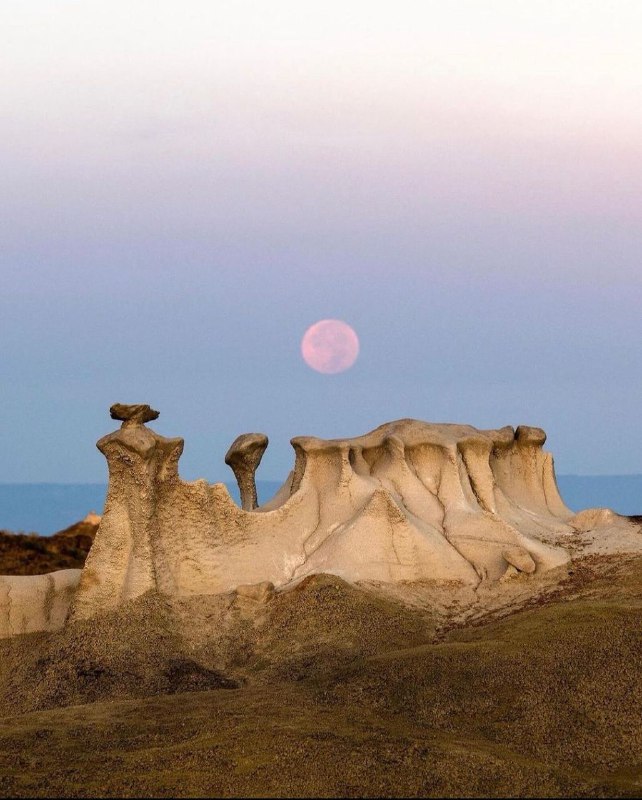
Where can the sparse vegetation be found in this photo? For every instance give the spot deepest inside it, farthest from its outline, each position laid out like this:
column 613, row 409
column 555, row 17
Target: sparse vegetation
column 31, row 554
column 330, row 690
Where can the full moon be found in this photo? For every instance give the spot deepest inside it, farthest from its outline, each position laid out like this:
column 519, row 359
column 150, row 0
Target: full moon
column 330, row 346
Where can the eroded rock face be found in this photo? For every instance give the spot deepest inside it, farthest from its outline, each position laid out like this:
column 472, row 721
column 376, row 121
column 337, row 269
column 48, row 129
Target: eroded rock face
column 31, row 603
column 136, row 553
column 408, row 502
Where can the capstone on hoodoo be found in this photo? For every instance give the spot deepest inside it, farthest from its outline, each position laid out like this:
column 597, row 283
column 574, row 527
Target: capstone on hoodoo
column 408, row 502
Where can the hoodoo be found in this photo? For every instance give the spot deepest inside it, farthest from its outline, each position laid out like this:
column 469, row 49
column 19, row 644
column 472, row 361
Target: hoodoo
column 410, row 501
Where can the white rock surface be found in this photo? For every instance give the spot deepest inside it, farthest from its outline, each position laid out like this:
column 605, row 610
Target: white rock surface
column 30, row 603
column 408, row 503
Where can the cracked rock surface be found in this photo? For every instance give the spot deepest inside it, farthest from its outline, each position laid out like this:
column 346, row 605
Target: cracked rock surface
column 408, row 503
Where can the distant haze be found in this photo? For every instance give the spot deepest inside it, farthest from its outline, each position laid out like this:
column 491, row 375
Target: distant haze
column 186, row 187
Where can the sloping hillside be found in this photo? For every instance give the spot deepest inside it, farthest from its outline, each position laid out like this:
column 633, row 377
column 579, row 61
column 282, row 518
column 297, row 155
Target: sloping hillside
column 327, row 689
column 30, row 554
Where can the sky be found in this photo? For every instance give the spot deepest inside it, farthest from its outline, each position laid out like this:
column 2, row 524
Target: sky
column 187, row 187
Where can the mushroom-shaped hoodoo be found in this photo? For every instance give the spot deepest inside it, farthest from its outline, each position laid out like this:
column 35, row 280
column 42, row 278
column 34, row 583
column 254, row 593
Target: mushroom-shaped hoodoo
column 244, row 456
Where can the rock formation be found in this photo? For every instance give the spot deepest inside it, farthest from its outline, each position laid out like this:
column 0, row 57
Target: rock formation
column 244, row 457
column 410, row 501
column 30, row 603
column 137, row 414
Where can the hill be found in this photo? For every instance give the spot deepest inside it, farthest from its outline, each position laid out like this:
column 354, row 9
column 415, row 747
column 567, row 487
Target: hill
column 30, row 554
column 331, row 689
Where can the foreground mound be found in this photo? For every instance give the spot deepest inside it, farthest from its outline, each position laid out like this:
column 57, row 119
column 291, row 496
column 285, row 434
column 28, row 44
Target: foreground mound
column 155, row 645
column 328, row 689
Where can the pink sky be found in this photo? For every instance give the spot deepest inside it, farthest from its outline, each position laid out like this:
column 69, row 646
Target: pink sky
column 460, row 181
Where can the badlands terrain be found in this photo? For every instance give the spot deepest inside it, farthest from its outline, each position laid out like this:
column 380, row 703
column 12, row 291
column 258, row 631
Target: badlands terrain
column 415, row 613
column 328, row 690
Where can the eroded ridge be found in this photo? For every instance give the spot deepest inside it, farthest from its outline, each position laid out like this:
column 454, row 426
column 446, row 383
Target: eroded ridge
column 440, row 504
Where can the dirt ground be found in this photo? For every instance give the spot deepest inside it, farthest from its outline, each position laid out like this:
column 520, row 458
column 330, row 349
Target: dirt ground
column 330, row 689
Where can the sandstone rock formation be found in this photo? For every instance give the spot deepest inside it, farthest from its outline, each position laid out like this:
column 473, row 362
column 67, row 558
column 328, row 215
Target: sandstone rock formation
column 244, row 457
column 30, row 603
column 410, row 502
column 136, row 414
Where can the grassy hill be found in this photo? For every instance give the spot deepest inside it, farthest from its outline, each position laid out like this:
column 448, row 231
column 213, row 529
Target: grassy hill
column 30, row 554
column 331, row 690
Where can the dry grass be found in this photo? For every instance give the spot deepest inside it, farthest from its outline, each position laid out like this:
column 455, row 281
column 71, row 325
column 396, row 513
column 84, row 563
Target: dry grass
column 330, row 690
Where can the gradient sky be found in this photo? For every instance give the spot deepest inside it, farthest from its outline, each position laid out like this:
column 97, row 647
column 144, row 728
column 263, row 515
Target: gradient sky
column 187, row 186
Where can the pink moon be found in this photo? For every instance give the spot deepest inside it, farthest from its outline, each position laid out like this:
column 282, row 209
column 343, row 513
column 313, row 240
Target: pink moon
column 330, row 346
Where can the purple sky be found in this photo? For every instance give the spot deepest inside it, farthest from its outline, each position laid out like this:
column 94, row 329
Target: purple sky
column 186, row 187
